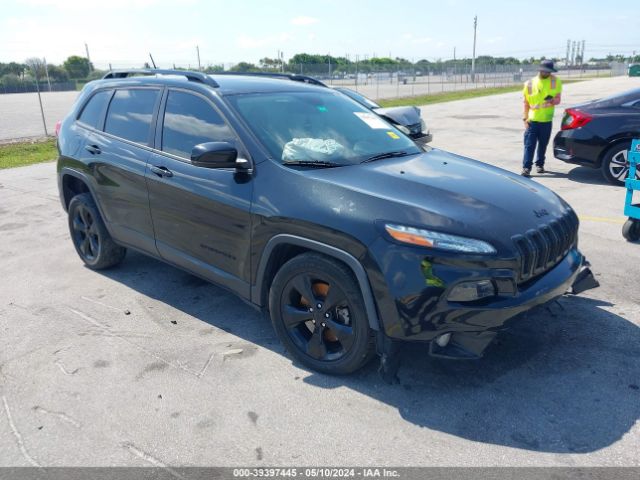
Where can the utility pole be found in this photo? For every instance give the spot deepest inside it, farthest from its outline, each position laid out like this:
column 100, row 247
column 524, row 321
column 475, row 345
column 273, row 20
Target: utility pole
column 473, row 59
column 44, row 122
column 566, row 62
column 582, row 54
column 573, row 52
column 86, row 47
column 46, row 71
column 198, row 52
column 454, row 54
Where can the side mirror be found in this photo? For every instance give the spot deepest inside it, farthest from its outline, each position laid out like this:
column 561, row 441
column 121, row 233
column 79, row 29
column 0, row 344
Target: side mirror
column 214, row 155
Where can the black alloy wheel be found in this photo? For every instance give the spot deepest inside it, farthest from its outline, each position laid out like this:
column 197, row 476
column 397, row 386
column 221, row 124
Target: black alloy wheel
column 317, row 310
column 317, row 317
column 90, row 237
column 85, row 233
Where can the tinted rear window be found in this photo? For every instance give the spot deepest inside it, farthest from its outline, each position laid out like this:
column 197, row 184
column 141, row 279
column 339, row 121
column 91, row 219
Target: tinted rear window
column 94, row 109
column 617, row 99
column 130, row 114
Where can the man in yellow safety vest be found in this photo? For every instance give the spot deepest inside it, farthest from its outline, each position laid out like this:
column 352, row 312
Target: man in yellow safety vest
column 541, row 95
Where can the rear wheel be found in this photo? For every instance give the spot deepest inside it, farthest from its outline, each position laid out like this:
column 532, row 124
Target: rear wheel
column 615, row 164
column 318, row 313
column 89, row 235
column 631, row 230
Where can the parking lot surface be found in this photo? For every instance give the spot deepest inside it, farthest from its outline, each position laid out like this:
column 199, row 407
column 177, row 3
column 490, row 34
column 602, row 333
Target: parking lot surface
column 145, row 365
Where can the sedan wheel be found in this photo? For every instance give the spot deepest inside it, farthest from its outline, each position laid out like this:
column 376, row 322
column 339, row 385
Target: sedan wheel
column 615, row 164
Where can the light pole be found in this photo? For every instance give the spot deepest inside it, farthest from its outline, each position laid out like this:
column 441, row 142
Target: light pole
column 473, row 59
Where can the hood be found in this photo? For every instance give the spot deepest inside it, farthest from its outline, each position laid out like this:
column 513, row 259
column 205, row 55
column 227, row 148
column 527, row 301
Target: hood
column 453, row 194
column 405, row 116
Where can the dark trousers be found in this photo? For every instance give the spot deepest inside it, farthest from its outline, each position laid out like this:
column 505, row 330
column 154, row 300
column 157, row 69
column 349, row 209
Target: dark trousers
column 538, row 134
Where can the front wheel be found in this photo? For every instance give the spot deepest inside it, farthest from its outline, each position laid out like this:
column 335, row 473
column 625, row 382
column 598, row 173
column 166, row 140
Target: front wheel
column 90, row 236
column 631, row 230
column 318, row 313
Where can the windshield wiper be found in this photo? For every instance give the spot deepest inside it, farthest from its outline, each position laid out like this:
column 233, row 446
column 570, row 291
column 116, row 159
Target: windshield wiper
column 381, row 156
column 310, row 163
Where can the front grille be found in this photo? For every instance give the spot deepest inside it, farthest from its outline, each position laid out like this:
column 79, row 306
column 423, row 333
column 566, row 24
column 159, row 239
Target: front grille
column 543, row 248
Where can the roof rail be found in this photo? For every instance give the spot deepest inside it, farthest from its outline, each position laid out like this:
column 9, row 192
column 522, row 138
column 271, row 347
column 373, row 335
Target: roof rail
column 190, row 75
column 289, row 76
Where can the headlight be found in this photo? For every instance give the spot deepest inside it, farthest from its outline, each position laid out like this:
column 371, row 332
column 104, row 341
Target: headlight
column 443, row 241
column 423, row 126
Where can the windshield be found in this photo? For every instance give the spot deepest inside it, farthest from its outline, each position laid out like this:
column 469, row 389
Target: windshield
column 324, row 127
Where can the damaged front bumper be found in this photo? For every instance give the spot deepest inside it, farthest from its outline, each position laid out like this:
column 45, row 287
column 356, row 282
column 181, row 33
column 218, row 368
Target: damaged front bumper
column 471, row 345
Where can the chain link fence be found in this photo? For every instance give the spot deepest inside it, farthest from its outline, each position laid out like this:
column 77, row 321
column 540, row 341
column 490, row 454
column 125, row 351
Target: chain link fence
column 391, row 81
column 21, row 115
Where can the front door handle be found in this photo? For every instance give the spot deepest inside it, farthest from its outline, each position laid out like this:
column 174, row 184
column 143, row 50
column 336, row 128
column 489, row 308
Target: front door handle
column 161, row 171
column 92, row 149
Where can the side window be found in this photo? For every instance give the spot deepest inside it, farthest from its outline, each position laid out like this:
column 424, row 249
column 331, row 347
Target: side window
column 190, row 120
column 93, row 110
column 130, row 114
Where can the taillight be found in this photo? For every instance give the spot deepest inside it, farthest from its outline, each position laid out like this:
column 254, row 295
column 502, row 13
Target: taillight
column 58, row 125
column 574, row 119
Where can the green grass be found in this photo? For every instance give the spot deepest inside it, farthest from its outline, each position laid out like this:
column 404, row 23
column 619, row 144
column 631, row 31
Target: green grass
column 446, row 96
column 431, row 98
column 27, row 153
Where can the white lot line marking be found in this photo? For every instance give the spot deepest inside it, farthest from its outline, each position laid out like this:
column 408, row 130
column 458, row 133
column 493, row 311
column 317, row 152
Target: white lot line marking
column 100, row 303
column 178, row 366
column 64, row 370
column 117, row 333
column 149, row 458
column 206, row 365
column 16, row 434
column 61, row 415
column 35, row 194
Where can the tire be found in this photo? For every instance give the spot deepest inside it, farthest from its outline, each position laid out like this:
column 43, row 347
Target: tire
column 631, row 230
column 615, row 165
column 318, row 313
column 90, row 237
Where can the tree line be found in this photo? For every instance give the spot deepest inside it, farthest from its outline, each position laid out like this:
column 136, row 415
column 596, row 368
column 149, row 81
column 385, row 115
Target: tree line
column 79, row 68
column 73, row 68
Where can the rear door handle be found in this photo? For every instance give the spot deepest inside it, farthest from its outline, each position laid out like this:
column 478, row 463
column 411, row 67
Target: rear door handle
column 93, row 149
column 161, row 171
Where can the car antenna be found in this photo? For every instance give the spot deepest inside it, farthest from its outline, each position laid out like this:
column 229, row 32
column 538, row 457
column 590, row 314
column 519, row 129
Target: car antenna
column 152, row 62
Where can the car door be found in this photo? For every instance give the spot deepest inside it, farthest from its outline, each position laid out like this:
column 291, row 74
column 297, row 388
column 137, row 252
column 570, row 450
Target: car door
column 118, row 151
column 201, row 216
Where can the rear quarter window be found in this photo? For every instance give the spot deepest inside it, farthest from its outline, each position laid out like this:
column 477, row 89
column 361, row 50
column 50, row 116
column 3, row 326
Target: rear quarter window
column 130, row 114
column 93, row 110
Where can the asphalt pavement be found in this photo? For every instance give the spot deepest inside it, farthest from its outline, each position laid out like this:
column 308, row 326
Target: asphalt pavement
column 145, row 365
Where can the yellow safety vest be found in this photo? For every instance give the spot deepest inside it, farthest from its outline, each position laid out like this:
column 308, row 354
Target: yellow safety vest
column 535, row 91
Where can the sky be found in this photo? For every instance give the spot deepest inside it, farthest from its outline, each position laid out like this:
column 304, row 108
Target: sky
column 123, row 32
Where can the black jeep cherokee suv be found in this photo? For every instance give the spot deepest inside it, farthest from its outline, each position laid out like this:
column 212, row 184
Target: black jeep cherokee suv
column 306, row 204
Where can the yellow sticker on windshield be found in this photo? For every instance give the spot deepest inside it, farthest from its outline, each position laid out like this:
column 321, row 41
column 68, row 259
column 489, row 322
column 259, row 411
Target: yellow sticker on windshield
column 393, row 135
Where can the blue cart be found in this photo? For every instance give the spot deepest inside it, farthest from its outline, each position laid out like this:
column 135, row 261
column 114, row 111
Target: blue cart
column 631, row 228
